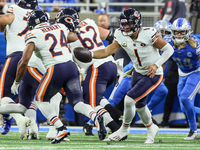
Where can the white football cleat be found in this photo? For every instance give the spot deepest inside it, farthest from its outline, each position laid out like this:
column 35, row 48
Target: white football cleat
column 193, row 135
column 23, row 125
column 119, row 135
column 152, row 131
column 51, row 135
column 33, row 131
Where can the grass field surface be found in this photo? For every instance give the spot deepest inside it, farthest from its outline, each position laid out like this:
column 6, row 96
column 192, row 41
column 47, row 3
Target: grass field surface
column 166, row 139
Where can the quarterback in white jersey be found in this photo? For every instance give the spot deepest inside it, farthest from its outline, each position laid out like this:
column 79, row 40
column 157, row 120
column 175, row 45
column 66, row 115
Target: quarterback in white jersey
column 142, row 46
column 100, row 73
column 16, row 27
column 61, row 70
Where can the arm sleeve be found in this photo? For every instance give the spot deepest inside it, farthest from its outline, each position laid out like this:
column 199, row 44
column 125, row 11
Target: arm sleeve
column 167, row 52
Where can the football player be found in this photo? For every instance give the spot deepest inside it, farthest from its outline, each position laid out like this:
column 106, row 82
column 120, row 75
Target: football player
column 141, row 44
column 16, row 28
column 58, row 62
column 99, row 73
column 187, row 56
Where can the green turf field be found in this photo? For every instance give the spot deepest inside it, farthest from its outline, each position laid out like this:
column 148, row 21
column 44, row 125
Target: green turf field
column 78, row 141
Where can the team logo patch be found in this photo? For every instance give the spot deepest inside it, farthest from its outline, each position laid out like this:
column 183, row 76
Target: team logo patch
column 189, row 54
column 124, row 44
column 143, row 44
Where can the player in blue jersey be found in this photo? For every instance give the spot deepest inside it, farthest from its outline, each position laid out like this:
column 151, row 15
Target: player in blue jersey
column 186, row 55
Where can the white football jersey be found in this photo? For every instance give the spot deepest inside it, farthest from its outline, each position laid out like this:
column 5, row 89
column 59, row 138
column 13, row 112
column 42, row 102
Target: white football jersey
column 141, row 50
column 50, row 44
column 89, row 38
column 16, row 31
column 36, row 63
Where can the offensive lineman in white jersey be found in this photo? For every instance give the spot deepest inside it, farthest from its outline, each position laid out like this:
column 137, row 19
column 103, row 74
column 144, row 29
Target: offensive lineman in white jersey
column 16, row 28
column 100, row 73
column 49, row 43
column 141, row 44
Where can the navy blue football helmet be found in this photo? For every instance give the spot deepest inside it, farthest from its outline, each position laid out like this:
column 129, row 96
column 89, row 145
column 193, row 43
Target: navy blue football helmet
column 27, row 4
column 130, row 16
column 71, row 12
column 37, row 17
column 68, row 21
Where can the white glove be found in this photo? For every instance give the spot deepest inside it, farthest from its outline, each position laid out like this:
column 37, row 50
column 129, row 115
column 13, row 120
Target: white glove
column 14, row 88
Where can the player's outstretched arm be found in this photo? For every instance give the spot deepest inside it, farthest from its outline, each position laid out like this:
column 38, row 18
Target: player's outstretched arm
column 22, row 64
column 109, row 50
column 7, row 19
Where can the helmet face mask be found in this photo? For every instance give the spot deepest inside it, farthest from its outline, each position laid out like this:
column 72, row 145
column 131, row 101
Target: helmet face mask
column 181, row 30
column 163, row 27
column 37, row 17
column 69, row 12
column 27, row 4
column 130, row 21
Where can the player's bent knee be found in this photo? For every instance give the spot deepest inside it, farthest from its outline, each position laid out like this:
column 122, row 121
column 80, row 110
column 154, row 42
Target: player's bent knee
column 129, row 101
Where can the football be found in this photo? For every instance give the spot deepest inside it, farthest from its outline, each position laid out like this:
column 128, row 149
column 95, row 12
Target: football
column 82, row 54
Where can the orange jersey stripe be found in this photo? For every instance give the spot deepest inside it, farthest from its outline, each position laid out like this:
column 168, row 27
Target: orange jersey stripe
column 150, row 89
column 3, row 75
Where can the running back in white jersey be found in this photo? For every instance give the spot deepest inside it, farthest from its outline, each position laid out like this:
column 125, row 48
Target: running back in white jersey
column 16, row 31
column 50, row 44
column 89, row 38
column 141, row 50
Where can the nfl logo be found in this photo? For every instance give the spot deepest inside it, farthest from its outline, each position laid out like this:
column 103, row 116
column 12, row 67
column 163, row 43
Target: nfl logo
column 37, row 21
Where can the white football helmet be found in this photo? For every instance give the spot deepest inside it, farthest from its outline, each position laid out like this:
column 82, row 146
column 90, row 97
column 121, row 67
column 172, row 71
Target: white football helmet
column 163, row 25
column 181, row 25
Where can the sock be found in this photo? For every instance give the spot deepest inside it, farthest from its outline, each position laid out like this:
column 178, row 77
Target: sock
column 31, row 112
column 55, row 102
column 104, row 113
column 87, row 111
column 145, row 115
column 114, row 112
column 129, row 110
column 49, row 112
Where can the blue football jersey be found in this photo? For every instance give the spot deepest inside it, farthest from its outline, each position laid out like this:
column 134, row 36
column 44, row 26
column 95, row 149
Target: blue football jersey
column 187, row 57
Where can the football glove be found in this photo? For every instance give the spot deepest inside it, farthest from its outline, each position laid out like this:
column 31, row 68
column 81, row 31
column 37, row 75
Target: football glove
column 15, row 87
